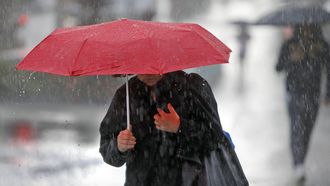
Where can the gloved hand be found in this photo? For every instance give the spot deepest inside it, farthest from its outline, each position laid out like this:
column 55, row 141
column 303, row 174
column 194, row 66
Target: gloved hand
column 168, row 122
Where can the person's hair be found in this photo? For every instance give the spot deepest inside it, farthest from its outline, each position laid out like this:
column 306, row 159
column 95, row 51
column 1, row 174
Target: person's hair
column 314, row 29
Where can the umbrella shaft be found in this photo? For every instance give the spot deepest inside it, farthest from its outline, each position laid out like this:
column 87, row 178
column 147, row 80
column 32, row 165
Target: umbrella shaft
column 127, row 104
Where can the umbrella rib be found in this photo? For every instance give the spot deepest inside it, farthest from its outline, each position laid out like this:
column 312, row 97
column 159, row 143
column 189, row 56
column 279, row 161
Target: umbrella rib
column 160, row 67
column 76, row 58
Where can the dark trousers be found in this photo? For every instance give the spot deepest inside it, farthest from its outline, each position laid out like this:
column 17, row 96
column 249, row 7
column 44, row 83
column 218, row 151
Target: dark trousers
column 303, row 110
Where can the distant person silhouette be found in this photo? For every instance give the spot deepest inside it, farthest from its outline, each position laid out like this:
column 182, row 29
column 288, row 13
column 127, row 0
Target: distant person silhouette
column 303, row 58
column 243, row 38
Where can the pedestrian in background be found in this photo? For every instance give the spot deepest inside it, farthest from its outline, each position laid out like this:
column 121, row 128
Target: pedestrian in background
column 243, row 38
column 303, row 58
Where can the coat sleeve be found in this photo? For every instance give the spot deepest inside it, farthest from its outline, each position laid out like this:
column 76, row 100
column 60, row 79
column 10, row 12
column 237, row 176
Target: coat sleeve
column 110, row 127
column 201, row 131
column 283, row 58
column 326, row 62
column 328, row 81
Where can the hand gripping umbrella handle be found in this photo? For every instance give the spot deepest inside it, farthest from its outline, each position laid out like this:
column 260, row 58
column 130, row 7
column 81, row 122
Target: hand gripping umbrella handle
column 127, row 104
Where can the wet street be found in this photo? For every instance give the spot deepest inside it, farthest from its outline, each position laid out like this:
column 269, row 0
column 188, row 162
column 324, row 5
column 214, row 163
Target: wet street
column 251, row 103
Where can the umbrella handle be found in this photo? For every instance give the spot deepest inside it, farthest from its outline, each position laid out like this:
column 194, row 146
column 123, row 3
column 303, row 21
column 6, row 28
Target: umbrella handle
column 127, row 105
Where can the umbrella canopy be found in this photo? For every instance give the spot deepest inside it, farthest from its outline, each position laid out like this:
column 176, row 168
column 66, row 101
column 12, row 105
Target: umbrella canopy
column 125, row 47
column 295, row 16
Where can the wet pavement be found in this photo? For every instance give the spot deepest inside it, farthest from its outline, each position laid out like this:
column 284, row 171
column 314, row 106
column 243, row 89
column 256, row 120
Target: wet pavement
column 251, row 102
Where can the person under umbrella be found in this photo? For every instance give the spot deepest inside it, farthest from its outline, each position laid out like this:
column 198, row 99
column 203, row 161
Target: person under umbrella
column 174, row 124
column 302, row 58
column 243, row 38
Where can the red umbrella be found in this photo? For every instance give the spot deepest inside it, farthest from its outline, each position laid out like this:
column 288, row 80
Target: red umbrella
column 125, row 47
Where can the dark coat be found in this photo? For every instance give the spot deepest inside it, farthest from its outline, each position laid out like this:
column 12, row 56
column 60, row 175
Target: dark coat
column 303, row 83
column 158, row 156
column 304, row 77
